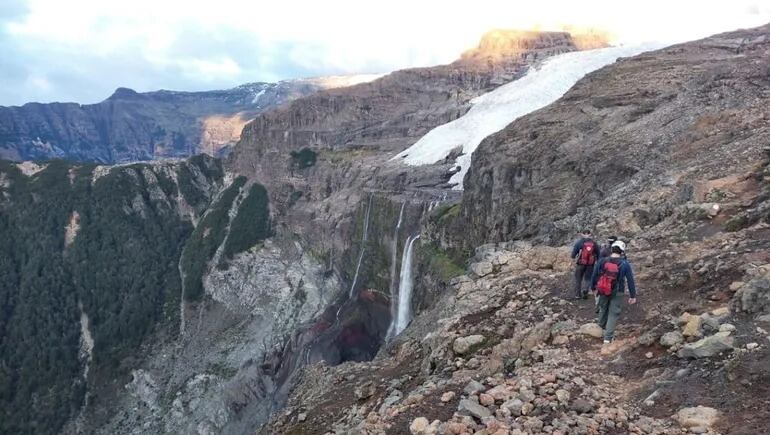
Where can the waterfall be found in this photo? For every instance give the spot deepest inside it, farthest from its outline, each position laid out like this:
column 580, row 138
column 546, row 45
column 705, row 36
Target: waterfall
column 363, row 246
column 393, row 273
column 404, row 314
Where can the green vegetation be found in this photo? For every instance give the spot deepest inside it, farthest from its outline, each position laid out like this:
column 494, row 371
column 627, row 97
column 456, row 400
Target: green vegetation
column 439, row 262
column 304, row 158
column 251, row 224
column 446, row 212
column 121, row 268
column 205, row 240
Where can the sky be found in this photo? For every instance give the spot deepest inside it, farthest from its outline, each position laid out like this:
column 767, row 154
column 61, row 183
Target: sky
column 81, row 50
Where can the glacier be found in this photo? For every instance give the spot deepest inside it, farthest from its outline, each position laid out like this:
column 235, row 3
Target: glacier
column 493, row 111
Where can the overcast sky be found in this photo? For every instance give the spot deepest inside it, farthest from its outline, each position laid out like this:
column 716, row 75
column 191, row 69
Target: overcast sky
column 81, row 50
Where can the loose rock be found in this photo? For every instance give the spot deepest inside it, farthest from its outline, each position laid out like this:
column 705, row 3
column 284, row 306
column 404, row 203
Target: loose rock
column 463, row 345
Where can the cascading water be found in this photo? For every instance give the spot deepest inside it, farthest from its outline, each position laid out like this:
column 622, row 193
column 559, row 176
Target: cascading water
column 393, row 273
column 364, row 237
column 404, row 313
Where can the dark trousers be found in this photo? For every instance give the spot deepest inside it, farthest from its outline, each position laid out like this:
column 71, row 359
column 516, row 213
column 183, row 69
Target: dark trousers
column 582, row 278
column 609, row 311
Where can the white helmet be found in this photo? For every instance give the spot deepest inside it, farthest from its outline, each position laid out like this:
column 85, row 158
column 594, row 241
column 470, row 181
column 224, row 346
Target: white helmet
column 620, row 244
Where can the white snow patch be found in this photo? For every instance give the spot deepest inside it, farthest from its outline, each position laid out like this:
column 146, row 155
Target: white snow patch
column 30, row 168
column 257, row 96
column 494, row 110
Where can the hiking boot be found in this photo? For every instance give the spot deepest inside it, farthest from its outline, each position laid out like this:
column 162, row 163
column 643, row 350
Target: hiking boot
column 585, row 296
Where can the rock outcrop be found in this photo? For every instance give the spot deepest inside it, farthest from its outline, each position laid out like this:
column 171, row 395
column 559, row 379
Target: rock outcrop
column 626, row 145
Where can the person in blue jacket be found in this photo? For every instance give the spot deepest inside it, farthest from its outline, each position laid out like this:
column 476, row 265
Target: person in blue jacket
column 585, row 251
column 612, row 278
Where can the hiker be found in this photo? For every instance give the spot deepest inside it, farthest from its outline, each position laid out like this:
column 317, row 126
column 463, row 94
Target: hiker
column 585, row 250
column 608, row 282
column 606, row 249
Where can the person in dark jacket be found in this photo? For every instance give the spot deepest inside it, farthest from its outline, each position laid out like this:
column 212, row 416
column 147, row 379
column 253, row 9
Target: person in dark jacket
column 606, row 249
column 611, row 305
column 585, row 251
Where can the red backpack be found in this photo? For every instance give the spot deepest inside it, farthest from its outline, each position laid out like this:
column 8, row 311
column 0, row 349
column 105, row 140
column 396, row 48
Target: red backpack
column 609, row 275
column 588, row 253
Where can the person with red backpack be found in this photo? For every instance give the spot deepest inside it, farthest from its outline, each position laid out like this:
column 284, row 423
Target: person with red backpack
column 608, row 282
column 586, row 251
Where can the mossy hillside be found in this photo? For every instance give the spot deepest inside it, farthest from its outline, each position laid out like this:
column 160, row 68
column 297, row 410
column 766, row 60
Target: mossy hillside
column 251, row 224
column 376, row 263
column 205, row 240
column 121, row 267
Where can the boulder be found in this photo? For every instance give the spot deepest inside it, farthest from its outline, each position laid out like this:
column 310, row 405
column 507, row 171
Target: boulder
column 463, row 345
column 364, row 391
column 419, row 426
column 474, row 387
column 692, row 327
column 469, row 407
column 514, row 406
column 582, row 406
column 502, row 392
column 592, row 330
column 754, row 296
column 698, row 416
column 707, row 347
column 482, row 268
column 727, row 327
column 448, row 396
column 672, row 338
column 486, row 400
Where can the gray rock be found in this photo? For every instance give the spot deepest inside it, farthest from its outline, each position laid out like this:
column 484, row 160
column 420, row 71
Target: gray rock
column 698, row 416
column 727, row 327
column 582, row 406
column 754, row 296
column 364, row 391
column 463, row 345
column 474, row 387
column 592, row 330
column 672, row 338
column 469, row 407
column 514, row 406
column 707, row 347
column 765, row 318
column 482, row 268
column 648, row 338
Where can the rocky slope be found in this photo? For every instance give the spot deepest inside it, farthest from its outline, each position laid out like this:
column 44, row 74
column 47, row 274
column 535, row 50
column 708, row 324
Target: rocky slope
column 131, row 126
column 668, row 150
column 634, row 139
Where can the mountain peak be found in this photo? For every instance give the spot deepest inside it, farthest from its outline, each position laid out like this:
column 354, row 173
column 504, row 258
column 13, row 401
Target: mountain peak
column 124, row 94
column 501, row 44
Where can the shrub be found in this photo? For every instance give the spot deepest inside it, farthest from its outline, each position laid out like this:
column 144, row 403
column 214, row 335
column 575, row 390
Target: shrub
column 304, row 158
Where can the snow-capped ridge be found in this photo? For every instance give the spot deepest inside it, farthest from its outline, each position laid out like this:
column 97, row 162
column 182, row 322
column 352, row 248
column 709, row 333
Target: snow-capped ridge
column 494, row 110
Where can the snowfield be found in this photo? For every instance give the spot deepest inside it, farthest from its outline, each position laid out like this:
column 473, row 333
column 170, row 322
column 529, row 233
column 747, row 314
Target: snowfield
column 494, row 110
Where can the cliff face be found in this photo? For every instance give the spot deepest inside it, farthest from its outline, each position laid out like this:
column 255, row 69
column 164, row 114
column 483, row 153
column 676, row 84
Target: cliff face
column 656, row 128
column 354, row 132
column 131, row 126
column 667, row 150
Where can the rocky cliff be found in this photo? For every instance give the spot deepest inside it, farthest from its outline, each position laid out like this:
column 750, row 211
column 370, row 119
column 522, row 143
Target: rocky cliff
column 667, row 150
column 131, row 126
column 659, row 128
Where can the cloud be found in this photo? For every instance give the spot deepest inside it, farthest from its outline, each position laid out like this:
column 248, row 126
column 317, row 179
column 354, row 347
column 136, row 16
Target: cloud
column 81, row 50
